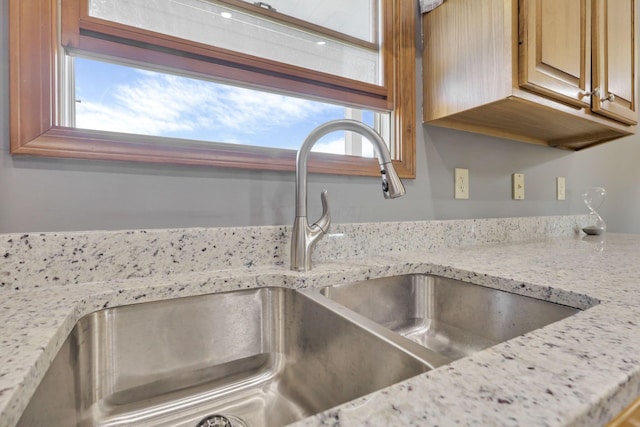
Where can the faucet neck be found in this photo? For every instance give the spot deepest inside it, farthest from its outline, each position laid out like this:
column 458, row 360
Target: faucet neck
column 303, row 154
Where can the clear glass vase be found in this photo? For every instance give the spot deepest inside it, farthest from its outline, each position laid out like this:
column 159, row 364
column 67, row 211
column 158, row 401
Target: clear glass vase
column 594, row 197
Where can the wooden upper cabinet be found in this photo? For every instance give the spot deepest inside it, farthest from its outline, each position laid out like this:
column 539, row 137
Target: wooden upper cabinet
column 555, row 49
column 553, row 72
column 614, row 69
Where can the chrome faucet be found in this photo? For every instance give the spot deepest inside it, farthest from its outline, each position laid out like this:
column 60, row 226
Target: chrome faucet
column 305, row 236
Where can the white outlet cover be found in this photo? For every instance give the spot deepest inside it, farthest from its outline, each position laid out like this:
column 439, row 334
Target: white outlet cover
column 461, row 183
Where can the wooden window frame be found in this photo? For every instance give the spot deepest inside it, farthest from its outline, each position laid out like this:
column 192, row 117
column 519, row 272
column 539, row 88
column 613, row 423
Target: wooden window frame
column 34, row 44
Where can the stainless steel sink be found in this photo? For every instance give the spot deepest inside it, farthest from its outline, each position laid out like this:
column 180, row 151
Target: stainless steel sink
column 263, row 357
column 450, row 317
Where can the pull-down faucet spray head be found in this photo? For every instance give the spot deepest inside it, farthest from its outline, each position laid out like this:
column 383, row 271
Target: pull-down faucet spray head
column 392, row 187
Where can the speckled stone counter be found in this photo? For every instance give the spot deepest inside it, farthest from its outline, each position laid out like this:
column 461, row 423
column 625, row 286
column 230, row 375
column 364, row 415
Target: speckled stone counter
column 580, row 371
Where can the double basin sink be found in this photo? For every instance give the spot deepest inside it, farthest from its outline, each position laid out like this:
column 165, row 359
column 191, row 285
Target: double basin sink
column 270, row 356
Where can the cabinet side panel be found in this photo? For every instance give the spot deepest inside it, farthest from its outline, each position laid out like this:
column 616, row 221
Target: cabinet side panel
column 467, row 57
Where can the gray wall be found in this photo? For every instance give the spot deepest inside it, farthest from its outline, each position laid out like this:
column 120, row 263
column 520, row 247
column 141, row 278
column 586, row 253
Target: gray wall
column 59, row 195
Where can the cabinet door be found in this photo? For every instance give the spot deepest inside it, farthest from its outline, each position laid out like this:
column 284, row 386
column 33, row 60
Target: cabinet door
column 555, row 49
column 614, row 61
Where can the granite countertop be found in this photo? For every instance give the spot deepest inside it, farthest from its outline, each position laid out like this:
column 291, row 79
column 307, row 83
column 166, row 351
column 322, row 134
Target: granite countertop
column 580, row 371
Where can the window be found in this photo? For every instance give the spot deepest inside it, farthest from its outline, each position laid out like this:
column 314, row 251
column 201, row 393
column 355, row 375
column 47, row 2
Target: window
column 121, row 98
column 42, row 101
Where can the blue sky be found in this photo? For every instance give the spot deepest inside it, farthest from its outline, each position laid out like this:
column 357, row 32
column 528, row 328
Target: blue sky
column 124, row 99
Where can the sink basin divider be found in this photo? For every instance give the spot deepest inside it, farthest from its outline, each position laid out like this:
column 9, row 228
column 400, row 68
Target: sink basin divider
column 423, row 354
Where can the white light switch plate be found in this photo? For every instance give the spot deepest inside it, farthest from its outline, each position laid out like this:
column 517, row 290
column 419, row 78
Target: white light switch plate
column 561, row 187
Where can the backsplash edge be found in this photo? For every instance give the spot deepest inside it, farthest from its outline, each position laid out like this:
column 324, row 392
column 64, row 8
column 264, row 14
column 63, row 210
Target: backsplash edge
column 36, row 260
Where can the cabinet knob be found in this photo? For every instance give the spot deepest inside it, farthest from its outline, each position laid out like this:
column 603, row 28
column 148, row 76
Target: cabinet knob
column 609, row 98
column 595, row 92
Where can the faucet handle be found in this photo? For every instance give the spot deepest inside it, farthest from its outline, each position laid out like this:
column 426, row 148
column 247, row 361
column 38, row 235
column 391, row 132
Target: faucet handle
column 325, row 220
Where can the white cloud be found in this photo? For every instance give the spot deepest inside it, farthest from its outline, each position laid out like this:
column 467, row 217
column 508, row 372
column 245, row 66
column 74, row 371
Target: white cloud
column 158, row 104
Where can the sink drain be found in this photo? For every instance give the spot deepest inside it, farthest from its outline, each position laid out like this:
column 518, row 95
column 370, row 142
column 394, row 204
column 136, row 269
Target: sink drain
column 221, row 421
